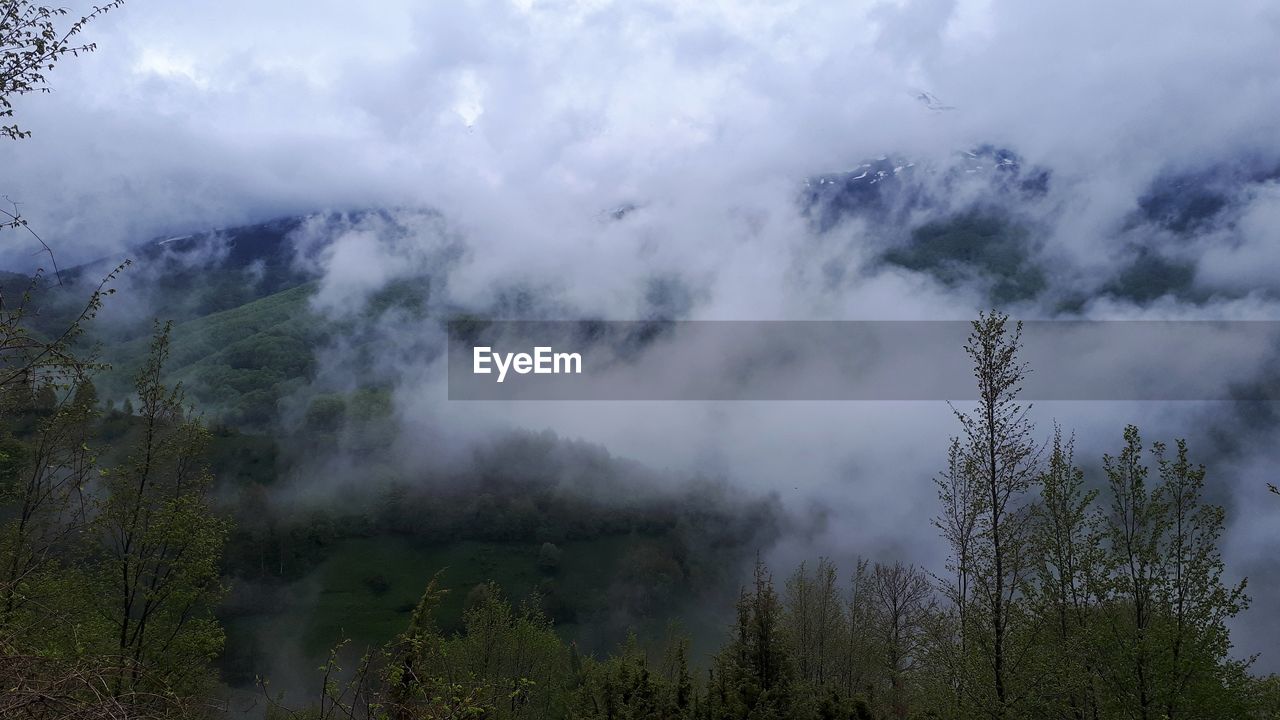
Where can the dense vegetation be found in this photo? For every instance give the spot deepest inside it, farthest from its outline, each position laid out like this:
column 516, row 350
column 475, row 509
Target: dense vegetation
column 985, row 245
column 111, row 562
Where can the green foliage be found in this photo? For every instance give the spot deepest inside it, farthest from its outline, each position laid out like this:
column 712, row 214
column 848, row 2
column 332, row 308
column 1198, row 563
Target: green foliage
column 981, row 245
column 86, row 395
column 337, row 600
column 1122, row 609
column 368, row 405
column 237, row 364
column 992, row 470
column 1262, row 697
column 1163, row 602
column 753, row 676
column 816, row 625
column 157, row 567
column 1068, row 552
column 33, row 39
column 107, row 577
column 30, row 359
column 505, row 663
column 1151, row 275
column 1111, row 608
column 625, row 686
column 44, row 471
column 549, row 557
column 326, row 414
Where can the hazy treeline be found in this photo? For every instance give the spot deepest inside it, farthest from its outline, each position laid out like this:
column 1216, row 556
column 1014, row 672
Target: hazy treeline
column 526, row 488
column 1057, row 601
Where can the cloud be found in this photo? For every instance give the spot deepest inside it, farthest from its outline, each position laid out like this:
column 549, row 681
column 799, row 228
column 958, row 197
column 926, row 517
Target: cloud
column 527, row 124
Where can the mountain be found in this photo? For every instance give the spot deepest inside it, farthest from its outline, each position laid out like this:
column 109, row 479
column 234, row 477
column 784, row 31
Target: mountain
column 986, row 217
column 246, row 336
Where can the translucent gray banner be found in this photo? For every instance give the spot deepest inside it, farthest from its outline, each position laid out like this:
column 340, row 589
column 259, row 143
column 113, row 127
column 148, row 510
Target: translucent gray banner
column 855, row 360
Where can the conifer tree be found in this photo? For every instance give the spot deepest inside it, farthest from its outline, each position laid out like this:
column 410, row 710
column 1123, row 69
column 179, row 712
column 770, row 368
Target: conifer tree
column 752, row 676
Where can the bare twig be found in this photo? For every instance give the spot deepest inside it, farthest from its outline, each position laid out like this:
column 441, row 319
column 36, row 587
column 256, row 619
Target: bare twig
column 15, row 220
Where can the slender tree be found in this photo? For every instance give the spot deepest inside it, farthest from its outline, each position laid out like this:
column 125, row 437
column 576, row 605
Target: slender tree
column 1134, row 527
column 999, row 451
column 161, row 543
column 959, row 496
column 1195, row 600
column 815, row 622
column 857, row 661
column 42, row 488
column 904, row 603
column 1068, row 554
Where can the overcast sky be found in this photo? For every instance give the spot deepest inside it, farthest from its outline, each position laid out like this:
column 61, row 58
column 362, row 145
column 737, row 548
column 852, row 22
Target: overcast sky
column 206, row 113
column 525, row 122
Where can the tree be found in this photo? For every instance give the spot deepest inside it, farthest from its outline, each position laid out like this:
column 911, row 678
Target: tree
column 42, row 489
column 858, row 661
column 30, row 359
column 86, row 395
column 1068, row 554
column 1133, row 529
column 623, row 687
column 161, row 543
column 903, row 601
column 683, row 698
column 998, row 451
column 33, row 39
column 959, row 495
column 410, row 688
column 752, row 676
column 1196, row 601
column 549, row 557
column 815, row 623
column 1165, row 653
column 514, row 653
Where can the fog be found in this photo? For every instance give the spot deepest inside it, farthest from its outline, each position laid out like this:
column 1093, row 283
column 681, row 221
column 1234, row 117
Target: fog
column 527, row 127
